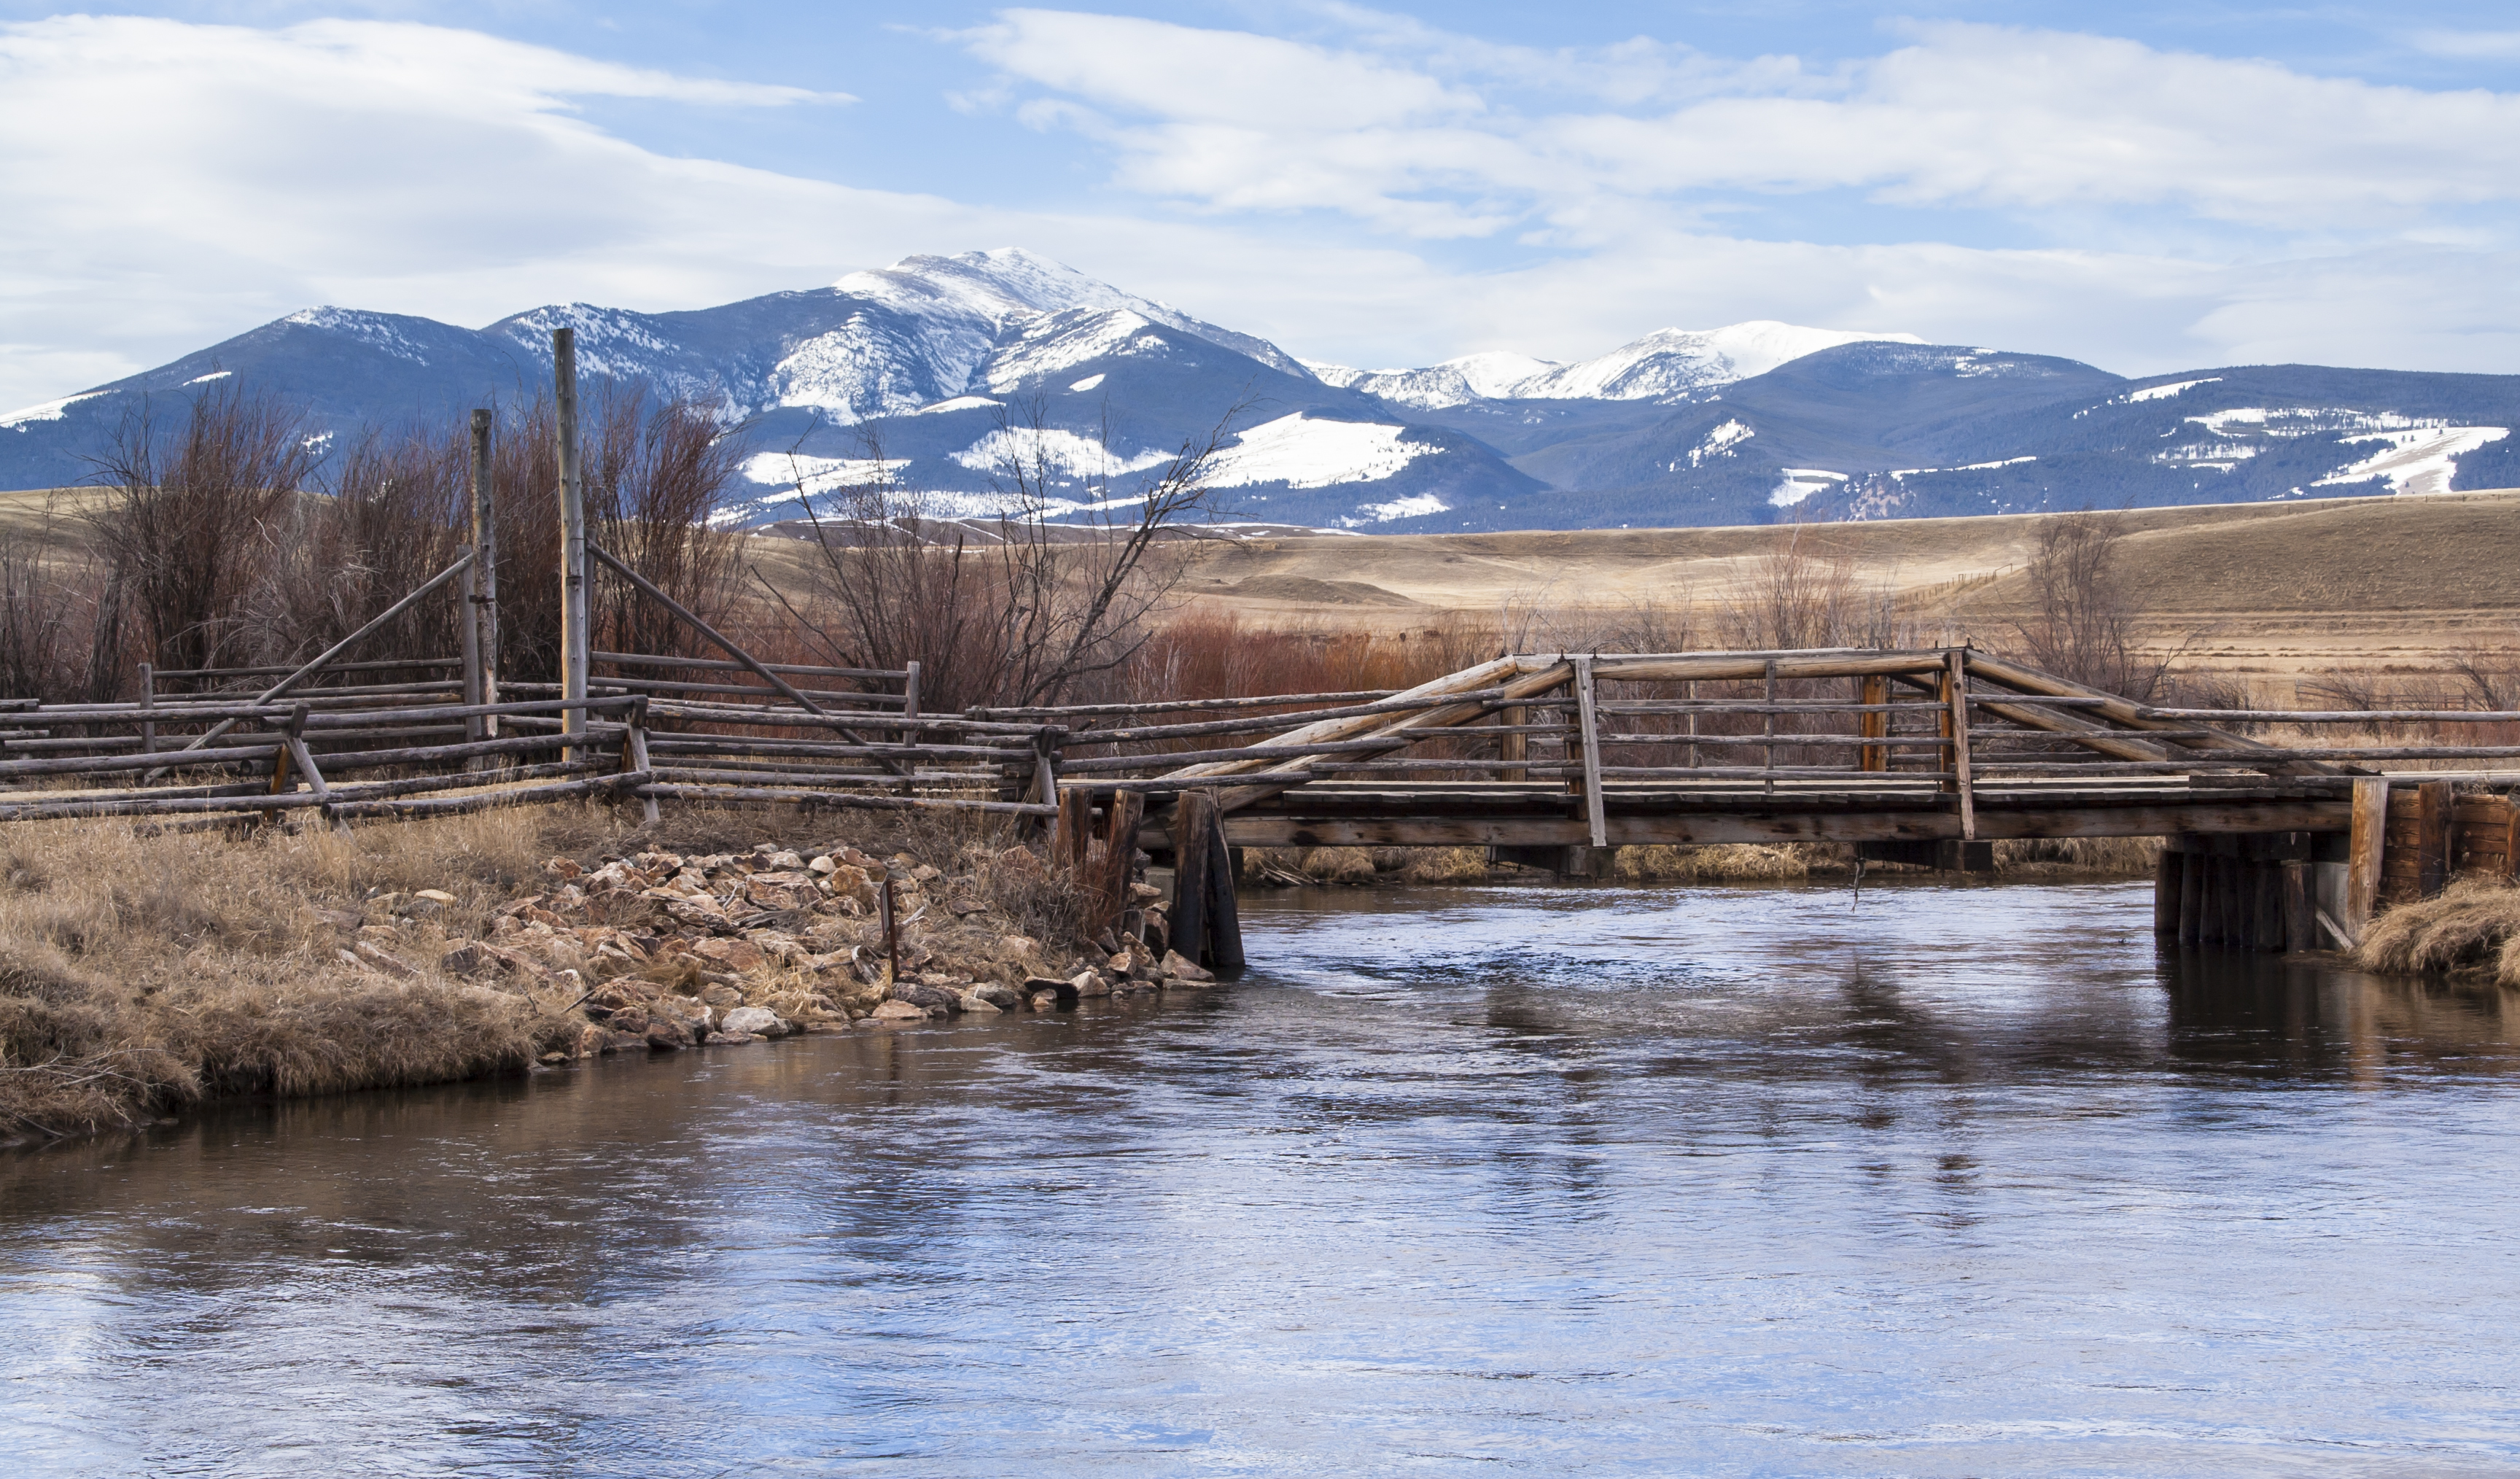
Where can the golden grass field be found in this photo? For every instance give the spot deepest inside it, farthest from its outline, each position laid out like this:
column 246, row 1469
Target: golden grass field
column 2273, row 588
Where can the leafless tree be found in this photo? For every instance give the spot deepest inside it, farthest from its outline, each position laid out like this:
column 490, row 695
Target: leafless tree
column 1052, row 589
column 2079, row 625
column 183, row 527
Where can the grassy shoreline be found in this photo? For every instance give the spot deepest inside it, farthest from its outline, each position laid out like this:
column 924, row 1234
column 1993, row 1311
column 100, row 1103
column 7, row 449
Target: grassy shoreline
column 145, row 970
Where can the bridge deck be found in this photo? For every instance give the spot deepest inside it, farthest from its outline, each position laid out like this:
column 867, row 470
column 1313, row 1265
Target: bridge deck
column 1354, row 813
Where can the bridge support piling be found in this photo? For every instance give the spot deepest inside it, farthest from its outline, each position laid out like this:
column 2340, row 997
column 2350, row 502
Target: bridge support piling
column 2166, row 874
column 2300, row 923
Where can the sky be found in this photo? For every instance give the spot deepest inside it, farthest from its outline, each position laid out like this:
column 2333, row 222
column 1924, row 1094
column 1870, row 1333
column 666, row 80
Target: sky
column 2146, row 187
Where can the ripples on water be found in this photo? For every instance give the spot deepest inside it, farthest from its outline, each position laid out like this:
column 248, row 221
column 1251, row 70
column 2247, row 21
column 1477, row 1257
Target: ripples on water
column 1958, row 1181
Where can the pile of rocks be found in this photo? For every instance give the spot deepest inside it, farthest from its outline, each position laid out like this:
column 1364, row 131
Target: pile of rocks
column 664, row 952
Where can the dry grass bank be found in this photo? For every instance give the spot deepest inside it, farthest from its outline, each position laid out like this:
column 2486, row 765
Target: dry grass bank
column 2471, row 928
column 142, row 970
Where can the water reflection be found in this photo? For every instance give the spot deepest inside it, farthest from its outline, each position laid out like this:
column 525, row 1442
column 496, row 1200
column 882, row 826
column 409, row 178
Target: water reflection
column 1953, row 1180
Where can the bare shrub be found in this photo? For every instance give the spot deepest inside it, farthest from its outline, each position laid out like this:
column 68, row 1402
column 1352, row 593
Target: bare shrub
column 394, row 519
column 61, row 621
column 1018, row 609
column 1796, row 595
column 184, row 526
column 2080, row 626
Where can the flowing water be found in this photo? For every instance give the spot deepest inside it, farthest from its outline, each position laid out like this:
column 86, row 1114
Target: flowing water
column 1950, row 1181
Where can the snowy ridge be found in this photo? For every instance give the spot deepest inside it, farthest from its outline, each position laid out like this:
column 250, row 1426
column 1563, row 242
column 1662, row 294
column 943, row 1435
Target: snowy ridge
column 1667, row 365
column 377, row 330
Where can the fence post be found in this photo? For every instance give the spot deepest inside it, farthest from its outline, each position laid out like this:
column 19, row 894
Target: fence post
column 148, row 701
column 482, row 625
column 1956, row 679
column 910, row 691
column 1596, row 826
column 573, row 643
column 634, row 756
column 1872, row 690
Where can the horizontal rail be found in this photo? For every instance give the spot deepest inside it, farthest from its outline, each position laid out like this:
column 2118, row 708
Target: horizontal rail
column 363, row 665
column 721, row 664
column 1184, row 705
column 845, row 800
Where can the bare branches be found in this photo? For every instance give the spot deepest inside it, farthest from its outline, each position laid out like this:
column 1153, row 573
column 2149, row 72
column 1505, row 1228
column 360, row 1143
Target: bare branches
column 1055, row 584
column 184, row 527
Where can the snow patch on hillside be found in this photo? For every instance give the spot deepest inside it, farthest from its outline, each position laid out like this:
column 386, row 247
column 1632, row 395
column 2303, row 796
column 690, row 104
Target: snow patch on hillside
column 1060, row 341
column 1302, row 452
column 51, row 410
column 1719, row 442
column 1414, row 506
column 818, row 476
column 958, row 403
column 2420, row 460
column 2165, row 393
column 1062, row 454
column 1800, row 483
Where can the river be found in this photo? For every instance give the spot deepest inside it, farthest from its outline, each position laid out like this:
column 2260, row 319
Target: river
column 1950, row 1179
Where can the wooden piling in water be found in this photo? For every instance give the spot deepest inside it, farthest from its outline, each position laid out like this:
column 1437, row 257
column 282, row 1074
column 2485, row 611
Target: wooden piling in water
column 2191, row 898
column 2366, row 848
column 2433, row 802
column 2166, row 875
column 2300, row 909
column 1193, row 828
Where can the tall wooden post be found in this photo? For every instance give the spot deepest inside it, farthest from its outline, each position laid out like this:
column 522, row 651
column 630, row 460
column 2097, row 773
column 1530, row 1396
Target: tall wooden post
column 1224, row 915
column 148, row 701
column 1512, row 749
column 1956, row 722
column 483, row 626
column 2366, row 846
column 574, row 634
column 2167, row 872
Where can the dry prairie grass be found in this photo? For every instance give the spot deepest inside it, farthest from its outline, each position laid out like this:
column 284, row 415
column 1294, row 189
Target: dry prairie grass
column 2471, row 928
column 144, row 969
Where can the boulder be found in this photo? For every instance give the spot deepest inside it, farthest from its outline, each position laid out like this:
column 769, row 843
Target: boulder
column 758, row 1021
column 722, row 996
column 628, row 1019
column 925, row 996
column 665, row 1034
column 368, row 953
column 466, row 957
column 1182, row 968
column 734, row 955
column 1003, row 997
column 892, row 1012
column 1044, row 1001
column 731, row 1038
column 1090, row 983
column 624, row 1042
column 977, row 1004
column 1036, row 985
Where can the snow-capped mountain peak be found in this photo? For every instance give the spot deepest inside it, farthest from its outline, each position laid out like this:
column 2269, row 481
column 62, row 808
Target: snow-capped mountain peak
column 1666, row 365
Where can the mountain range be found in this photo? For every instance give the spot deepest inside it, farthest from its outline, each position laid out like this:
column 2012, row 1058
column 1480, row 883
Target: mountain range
column 944, row 366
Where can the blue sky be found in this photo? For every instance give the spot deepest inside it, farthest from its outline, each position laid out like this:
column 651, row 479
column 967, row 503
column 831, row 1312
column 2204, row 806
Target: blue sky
column 2149, row 187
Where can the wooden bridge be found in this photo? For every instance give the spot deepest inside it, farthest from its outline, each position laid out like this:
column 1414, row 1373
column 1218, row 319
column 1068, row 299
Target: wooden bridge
column 1923, row 757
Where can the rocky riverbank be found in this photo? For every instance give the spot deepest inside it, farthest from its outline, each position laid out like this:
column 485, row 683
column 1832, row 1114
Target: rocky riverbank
column 143, row 970
column 666, row 950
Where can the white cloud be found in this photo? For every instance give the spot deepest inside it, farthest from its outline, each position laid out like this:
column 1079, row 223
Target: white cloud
column 168, row 185
column 1968, row 115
